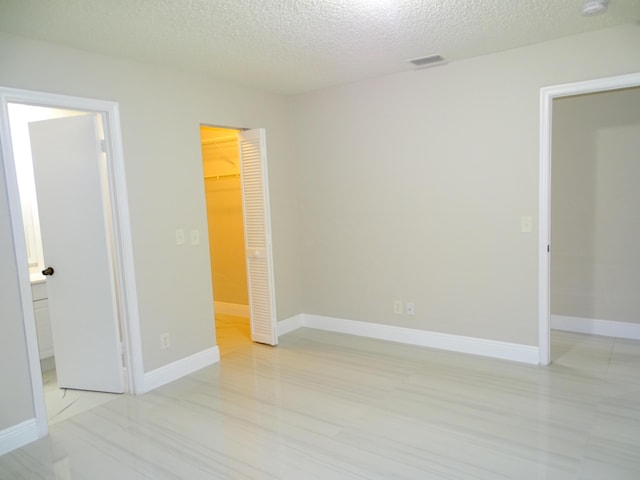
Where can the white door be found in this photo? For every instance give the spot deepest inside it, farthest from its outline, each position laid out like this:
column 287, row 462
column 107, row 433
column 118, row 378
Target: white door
column 67, row 158
column 257, row 236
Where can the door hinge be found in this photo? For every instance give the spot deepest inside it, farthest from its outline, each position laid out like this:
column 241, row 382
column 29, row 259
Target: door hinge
column 103, row 146
column 548, row 249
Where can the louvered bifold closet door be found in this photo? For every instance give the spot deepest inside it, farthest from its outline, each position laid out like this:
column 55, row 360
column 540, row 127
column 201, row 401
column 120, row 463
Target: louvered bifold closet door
column 258, row 236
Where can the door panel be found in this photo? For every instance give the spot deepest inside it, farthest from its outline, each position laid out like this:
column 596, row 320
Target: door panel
column 71, row 204
column 258, row 237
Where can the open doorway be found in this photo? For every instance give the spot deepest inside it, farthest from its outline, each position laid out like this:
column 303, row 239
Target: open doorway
column 85, row 125
column 548, row 98
column 67, row 391
column 223, row 190
column 595, row 227
column 237, row 186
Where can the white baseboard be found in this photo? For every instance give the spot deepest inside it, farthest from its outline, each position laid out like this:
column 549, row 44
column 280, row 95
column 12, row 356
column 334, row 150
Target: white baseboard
column 18, row 435
column 443, row 341
column 235, row 309
column 606, row 328
column 180, row 368
column 290, row 324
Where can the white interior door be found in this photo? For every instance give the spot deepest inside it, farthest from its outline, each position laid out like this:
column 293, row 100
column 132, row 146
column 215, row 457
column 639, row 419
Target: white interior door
column 71, row 202
column 258, row 236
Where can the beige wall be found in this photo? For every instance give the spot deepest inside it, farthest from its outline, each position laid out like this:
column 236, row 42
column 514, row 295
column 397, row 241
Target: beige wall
column 595, row 232
column 409, row 186
column 413, row 185
column 221, row 163
column 161, row 111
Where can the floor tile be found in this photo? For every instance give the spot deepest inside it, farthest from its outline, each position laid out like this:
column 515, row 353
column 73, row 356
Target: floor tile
column 323, row 405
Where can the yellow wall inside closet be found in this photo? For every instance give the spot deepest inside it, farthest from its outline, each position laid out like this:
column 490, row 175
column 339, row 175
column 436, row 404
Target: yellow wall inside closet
column 221, row 166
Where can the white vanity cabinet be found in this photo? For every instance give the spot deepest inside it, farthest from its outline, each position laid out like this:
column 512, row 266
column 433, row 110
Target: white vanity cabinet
column 43, row 324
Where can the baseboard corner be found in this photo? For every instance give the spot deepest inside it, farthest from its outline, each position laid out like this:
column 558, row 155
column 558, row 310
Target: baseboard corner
column 180, row 368
column 290, row 324
column 592, row 326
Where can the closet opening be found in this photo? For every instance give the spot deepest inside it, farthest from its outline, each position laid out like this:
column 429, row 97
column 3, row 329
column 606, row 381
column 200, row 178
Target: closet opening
column 223, row 190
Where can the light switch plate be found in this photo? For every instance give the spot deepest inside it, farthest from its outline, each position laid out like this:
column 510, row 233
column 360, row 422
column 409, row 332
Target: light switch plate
column 526, row 224
column 195, row 237
column 397, row 307
column 179, row 236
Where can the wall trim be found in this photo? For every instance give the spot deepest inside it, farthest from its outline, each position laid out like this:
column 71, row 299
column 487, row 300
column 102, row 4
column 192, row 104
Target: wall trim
column 411, row 336
column 606, row 328
column 235, row 309
column 180, row 368
column 18, row 435
column 290, row 324
column 547, row 96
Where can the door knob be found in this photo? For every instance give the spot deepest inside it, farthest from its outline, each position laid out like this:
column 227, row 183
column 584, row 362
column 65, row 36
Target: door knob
column 48, row 271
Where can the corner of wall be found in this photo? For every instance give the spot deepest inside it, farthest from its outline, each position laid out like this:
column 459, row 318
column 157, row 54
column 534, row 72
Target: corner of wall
column 173, row 371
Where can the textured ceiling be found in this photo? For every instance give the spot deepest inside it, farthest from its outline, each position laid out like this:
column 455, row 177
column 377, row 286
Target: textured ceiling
column 292, row 46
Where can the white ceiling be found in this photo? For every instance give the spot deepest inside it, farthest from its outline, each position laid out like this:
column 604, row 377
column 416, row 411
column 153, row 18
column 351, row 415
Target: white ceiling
column 292, row 46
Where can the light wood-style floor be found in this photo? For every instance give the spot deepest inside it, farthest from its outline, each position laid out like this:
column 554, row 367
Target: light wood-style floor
column 330, row 406
column 232, row 333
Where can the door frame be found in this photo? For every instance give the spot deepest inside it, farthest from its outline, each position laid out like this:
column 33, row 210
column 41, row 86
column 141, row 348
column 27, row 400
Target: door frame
column 268, row 249
column 123, row 246
column 547, row 96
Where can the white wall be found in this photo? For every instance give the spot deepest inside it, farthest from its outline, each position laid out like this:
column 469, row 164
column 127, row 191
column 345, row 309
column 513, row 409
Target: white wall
column 161, row 111
column 595, row 267
column 413, row 185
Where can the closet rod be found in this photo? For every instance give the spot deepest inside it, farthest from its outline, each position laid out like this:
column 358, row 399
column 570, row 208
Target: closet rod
column 220, row 177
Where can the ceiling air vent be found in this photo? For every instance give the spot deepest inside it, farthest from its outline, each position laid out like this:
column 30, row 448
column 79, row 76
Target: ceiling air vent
column 428, row 61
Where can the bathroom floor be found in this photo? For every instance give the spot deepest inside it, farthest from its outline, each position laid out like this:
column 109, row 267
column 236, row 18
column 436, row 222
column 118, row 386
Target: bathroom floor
column 64, row 403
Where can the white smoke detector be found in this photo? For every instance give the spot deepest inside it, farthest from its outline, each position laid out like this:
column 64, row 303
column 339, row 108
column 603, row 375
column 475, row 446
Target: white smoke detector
column 594, row 7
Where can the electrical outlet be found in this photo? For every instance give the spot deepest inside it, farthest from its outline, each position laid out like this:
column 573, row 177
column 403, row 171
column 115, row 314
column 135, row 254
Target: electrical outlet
column 165, row 341
column 397, row 307
column 411, row 308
